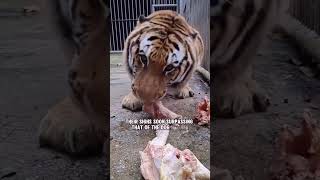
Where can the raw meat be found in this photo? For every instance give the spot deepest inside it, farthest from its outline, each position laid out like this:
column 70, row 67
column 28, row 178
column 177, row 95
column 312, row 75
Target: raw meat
column 161, row 161
column 203, row 112
column 158, row 111
column 298, row 153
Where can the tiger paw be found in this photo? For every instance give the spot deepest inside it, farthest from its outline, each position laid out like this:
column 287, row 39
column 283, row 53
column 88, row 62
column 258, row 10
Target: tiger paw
column 66, row 128
column 184, row 92
column 132, row 103
column 238, row 98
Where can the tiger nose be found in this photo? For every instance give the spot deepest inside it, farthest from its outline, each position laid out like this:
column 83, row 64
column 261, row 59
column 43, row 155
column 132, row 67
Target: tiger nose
column 134, row 89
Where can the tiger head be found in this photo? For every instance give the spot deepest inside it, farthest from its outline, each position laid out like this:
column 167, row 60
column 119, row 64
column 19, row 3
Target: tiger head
column 158, row 54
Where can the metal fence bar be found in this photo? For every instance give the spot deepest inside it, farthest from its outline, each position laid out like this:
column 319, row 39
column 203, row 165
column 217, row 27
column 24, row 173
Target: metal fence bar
column 307, row 12
column 112, row 44
column 125, row 13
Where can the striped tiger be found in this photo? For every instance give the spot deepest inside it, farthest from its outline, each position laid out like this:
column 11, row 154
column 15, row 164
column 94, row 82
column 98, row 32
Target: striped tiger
column 161, row 52
column 237, row 29
column 82, row 28
column 77, row 124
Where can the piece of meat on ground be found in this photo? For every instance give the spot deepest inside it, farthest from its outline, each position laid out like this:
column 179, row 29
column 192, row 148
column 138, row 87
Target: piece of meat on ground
column 203, row 112
column 158, row 111
column 163, row 161
column 297, row 152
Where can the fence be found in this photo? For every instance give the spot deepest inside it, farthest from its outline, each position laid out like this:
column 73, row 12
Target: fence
column 124, row 15
column 307, row 12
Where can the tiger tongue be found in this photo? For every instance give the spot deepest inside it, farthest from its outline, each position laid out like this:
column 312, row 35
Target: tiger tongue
column 158, row 111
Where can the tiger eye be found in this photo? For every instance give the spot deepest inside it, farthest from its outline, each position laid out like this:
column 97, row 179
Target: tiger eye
column 144, row 59
column 170, row 67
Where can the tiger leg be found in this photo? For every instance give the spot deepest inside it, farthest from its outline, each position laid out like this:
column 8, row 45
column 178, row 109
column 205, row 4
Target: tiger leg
column 132, row 103
column 183, row 91
column 77, row 124
column 232, row 53
column 66, row 127
column 237, row 95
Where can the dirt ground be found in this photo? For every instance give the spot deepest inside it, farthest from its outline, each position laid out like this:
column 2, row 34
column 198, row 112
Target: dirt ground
column 245, row 145
column 32, row 79
column 127, row 142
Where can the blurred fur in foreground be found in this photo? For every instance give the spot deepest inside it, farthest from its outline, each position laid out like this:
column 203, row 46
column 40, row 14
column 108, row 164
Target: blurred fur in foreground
column 77, row 124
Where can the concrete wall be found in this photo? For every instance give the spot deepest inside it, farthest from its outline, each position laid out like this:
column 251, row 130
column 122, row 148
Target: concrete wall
column 197, row 13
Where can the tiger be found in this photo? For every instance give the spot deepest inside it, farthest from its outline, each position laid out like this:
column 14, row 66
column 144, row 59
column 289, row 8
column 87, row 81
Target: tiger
column 76, row 125
column 237, row 30
column 161, row 52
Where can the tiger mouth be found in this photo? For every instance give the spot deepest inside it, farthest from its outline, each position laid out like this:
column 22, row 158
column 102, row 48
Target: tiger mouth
column 151, row 100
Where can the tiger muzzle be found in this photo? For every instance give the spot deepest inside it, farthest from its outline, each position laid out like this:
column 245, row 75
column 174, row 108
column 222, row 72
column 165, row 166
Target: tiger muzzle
column 148, row 94
column 149, row 89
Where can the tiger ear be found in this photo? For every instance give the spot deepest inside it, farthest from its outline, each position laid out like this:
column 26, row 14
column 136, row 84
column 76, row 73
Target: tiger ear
column 142, row 19
column 194, row 35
